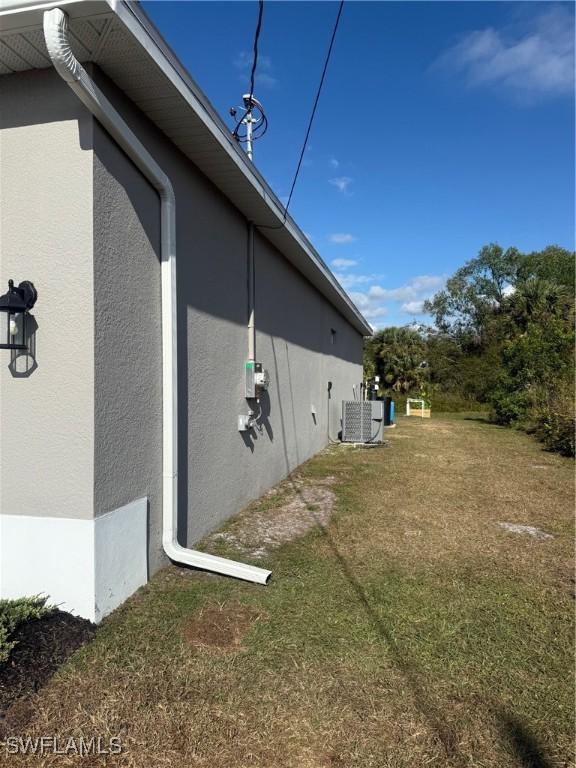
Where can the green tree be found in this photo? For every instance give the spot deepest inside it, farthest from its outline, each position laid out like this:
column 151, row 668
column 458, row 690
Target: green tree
column 538, row 301
column 475, row 293
column 504, row 335
column 398, row 356
column 554, row 264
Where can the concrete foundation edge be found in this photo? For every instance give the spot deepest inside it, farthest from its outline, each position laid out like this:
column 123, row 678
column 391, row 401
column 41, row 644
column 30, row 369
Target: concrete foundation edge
column 87, row 567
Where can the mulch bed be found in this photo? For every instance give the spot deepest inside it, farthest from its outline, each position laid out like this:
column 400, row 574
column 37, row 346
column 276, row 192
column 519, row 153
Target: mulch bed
column 42, row 646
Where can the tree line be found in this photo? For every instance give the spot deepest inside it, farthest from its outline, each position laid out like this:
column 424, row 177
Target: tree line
column 502, row 339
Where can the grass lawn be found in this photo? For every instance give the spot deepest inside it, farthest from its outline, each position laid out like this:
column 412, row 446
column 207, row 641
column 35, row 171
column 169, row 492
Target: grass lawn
column 406, row 629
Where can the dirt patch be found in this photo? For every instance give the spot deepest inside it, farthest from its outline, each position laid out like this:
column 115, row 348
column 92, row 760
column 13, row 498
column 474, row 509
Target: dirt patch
column 303, row 507
column 528, row 530
column 222, row 627
column 42, row 646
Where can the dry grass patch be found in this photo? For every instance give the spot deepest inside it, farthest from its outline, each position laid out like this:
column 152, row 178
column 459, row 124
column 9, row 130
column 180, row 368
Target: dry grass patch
column 443, row 500
column 406, row 629
column 221, row 626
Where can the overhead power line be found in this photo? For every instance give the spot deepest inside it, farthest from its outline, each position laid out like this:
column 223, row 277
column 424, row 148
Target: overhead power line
column 255, row 46
column 312, row 115
column 249, row 128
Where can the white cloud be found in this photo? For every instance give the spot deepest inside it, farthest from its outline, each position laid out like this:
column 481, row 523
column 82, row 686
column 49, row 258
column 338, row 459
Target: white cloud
column 344, row 263
column 334, row 163
column 533, row 62
column 264, row 73
column 423, row 284
column 341, row 182
column 349, row 280
column 341, row 238
column 413, row 307
column 375, row 313
column 370, row 311
column 376, row 301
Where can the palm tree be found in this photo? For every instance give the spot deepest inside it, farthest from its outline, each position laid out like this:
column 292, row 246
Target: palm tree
column 400, row 358
column 538, row 300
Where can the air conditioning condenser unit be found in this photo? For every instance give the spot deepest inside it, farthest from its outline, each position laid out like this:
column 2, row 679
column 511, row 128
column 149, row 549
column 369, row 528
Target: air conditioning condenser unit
column 362, row 421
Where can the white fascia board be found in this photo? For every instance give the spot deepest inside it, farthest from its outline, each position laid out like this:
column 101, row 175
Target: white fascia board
column 21, row 15
column 15, row 6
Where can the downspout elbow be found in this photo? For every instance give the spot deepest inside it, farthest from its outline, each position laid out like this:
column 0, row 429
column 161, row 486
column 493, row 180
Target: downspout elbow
column 221, row 565
column 58, row 45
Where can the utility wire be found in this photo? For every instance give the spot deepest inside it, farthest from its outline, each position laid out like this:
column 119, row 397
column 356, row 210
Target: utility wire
column 316, row 100
column 250, row 105
column 255, row 48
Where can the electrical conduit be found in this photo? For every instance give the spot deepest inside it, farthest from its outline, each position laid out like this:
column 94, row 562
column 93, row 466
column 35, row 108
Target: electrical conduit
column 251, row 296
column 72, row 72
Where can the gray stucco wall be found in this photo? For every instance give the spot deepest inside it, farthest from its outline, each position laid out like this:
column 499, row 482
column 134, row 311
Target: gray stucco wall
column 46, row 401
column 99, row 399
column 220, row 470
column 127, row 339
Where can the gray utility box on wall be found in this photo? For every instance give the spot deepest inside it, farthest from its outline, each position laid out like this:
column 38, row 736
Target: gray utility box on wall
column 362, row 421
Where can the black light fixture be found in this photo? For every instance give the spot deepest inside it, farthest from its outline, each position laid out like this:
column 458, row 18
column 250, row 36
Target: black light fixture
column 14, row 307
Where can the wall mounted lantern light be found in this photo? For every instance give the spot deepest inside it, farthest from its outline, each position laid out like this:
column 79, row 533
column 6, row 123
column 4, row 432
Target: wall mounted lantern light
column 14, row 307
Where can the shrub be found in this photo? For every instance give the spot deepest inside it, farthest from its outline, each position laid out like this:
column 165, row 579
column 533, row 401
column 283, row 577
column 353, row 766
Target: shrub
column 509, row 407
column 554, row 420
column 439, row 402
column 453, row 402
column 557, row 433
column 15, row 612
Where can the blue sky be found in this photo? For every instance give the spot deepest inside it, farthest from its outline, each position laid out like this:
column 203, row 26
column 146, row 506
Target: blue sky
column 442, row 126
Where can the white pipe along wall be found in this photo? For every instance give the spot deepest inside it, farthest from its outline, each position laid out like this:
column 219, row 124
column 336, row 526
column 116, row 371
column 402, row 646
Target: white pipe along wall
column 251, row 296
column 71, row 71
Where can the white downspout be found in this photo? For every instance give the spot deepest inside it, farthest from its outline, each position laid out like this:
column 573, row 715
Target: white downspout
column 251, row 296
column 72, row 72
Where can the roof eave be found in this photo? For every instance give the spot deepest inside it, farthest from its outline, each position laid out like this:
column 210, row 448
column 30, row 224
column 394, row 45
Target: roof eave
column 132, row 15
column 263, row 208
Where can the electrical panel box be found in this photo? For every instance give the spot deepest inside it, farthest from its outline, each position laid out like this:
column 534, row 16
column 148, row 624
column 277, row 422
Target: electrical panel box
column 362, row 421
column 257, row 379
column 250, row 383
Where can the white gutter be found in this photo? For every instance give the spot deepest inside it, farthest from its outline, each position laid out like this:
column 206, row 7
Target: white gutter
column 72, row 72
